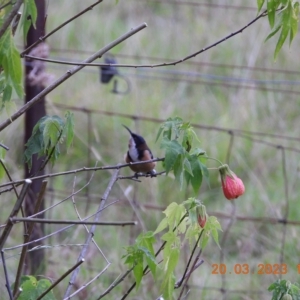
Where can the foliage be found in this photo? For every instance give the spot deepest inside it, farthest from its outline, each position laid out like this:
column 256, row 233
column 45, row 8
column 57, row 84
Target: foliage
column 2, row 156
column 181, row 223
column 46, row 136
column 286, row 20
column 282, row 287
column 10, row 61
column 33, row 288
column 181, row 155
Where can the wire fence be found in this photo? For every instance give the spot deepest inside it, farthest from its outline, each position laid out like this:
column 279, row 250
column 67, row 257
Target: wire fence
column 282, row 223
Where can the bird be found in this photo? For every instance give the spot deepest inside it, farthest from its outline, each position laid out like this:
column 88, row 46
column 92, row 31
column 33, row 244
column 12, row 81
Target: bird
column 138, row 150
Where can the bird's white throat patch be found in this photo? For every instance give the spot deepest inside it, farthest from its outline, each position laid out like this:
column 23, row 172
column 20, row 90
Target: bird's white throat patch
column 132, row 150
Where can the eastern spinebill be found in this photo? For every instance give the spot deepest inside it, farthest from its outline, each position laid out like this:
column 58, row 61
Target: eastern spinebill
column 138, row 150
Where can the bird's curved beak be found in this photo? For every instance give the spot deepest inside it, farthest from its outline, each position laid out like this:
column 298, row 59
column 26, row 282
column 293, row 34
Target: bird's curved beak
column 128, row 129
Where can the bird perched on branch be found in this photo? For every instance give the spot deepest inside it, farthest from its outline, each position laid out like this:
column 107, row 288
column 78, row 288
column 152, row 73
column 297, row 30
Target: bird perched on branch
column 138, row 150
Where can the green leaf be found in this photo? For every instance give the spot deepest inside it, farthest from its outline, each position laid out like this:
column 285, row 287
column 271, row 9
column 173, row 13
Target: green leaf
column 171, row 262
column 138, row 274
column 162, row 225
column 274, row 31
column 187, row 166
column 260, row 3
column 283, row 35
column 173, row 150
column 271, row 11
column 15, row 68
column 29, row 16
column 51, row 133
column 196, row 180
column 174, row 213
column 69, row 128
column 294, row 21
column 178, row 170
column 160, row 130
column 6, row 94
column 168, row 289
column 45, row 138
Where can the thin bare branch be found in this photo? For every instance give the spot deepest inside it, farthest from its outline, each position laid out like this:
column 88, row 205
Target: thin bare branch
column 10, row 17
column 112, row 181
column 88, row 283
column 14, row 212
column 189, row 262
column 27, row 236
column 114, row 284
column 79, row 217
column 68, row 74
column 84, row 169
column 57, row 231
column 173, row 63
column 43, row 38
column 60, row 279
column 188, row 275
column 6, row 276
column 50, row 221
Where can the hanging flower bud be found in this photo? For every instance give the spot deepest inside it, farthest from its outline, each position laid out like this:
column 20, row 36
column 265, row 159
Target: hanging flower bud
column 201, row 215
column 233, row 187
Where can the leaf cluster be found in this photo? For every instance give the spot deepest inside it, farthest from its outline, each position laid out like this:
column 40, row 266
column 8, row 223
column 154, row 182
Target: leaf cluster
column 181, row 224
column 141, row 254
column 181, row 155
column 280, row 288
column 10, row 61
column 285, row 21
column 46, row 136
column 33, row 288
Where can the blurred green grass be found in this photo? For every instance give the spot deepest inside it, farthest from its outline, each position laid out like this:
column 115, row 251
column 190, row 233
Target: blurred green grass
column 173, row 32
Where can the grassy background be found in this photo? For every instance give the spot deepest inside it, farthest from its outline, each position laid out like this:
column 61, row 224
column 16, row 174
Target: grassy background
column 236, row 85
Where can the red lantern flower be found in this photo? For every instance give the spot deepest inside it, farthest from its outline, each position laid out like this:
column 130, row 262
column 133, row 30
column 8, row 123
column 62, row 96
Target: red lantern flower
column 233, row 186
column 201, row 215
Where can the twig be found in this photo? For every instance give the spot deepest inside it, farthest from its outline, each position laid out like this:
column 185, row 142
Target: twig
column 42, row 38
column 92, row 230
column 230, row 146
column 84, row 169
column 54, row 284
column 3, row 146
column 79, row 217
column 20, row 290
column 6, row 276
column 197, row 265
column 5, row 4
column 173, row 63
column 70, row 196
column 114, row 284
column 134, row 177
column 50, row 221
column 10, row 17
column 68, row 74
column 14, row 212
column 188, row 275
column 56, row 232
column 189, row 262
column 27, row 236
column 88, row 283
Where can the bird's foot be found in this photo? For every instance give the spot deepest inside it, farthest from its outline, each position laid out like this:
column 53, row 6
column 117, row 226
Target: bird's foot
column 152, row 173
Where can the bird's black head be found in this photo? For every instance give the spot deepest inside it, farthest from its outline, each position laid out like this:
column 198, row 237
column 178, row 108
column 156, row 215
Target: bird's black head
column 139, row 140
